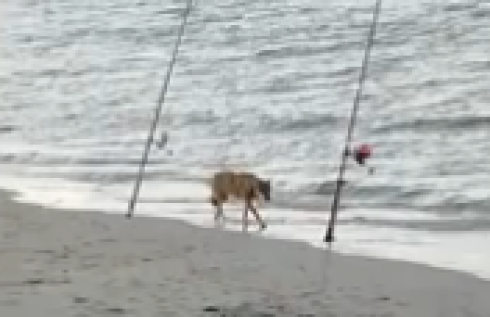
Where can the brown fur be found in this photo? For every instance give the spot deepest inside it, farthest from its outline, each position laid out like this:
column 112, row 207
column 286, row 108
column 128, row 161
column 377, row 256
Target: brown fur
column 246, row 186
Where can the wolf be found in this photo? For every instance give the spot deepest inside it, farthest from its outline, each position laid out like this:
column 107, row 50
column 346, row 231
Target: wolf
column 241, row 185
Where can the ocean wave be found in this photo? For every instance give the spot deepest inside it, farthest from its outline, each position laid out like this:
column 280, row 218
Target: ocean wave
column 290, row 52
column 441, row 224
column 481, row 13
column 7, row 128
column 305, row 122
column 437, row 124
column 457, row 7
column 264, row 123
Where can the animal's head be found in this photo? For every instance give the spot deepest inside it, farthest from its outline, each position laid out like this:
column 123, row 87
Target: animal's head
column 265, row 188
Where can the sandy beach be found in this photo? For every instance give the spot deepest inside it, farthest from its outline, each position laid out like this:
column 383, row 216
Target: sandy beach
column 67, row 263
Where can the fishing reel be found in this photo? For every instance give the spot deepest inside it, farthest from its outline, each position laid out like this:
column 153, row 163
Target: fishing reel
column 361, row 154
column 162, row 142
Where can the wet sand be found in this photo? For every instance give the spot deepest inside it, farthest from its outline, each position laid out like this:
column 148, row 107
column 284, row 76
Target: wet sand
column 71, row 263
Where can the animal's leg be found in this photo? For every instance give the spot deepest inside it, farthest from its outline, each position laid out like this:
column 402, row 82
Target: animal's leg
column 219, row 212
column 256, row 215
column 219, row 209
column 249, row 200
column 245, row 218
column 218, row 200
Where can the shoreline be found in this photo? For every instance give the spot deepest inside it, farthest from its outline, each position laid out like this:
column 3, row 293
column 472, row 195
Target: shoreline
column 74, row 263
column 434, row 250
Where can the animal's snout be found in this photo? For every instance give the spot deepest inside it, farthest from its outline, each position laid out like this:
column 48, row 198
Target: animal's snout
column 265, row 189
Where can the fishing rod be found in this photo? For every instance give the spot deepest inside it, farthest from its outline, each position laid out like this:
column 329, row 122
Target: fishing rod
column 329, row 235
column 158, row 111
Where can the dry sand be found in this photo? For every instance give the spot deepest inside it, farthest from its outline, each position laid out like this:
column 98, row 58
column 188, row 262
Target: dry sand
column 66, row 263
